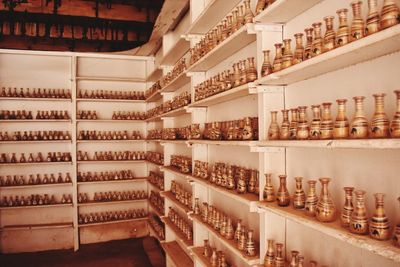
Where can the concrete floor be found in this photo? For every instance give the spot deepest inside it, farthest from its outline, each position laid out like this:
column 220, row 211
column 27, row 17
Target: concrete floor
column 121, row 253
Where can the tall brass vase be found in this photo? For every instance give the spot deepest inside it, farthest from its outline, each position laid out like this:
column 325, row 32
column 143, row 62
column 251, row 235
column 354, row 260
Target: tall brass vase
column 379, row 227
column 380, row 121
column 395, row 124
column 326, row 210
column 282, row 196
column 358, row 218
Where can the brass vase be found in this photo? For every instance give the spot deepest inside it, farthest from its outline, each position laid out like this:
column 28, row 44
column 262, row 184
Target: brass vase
column 251, row 71
column 327, row 122
column 359, row 124
column 330, row 36
column 284, row 133
column 261, row 4
column 287, row 55
column 379, row 227
column 248, row 14
column 342, row 35
column 269, row 191
column 277, row 64
column 395, row 123
column 266, row 68
column 347, row 207
column 315, row 127
column 396, row 235
column 357, row 29
column 312, row 198
column 358, row 218
column 299, row 197
column 326, row 210
column 279, row 259
column 380, row 121
column 269, row 259
column 309, row 40
column 373, row 19
column 250, row 247
column 294, row 259
column 273, row 130
column 282, row 196
column 299, row 49
column 293, row 124
column 341, row 125
column 303, row 129
column 317, row 44
column 389, row 14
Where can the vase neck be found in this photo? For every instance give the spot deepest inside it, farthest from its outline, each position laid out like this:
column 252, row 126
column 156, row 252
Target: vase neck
column 359, row 102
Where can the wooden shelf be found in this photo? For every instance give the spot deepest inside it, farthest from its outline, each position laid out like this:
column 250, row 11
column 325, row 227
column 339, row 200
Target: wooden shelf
column 36, row 99
column 34, row 120
column 241, row 38
column 37, row 163
column 385, row 249
column 198, row 254
column 110, row 100
column 36, row 142
column 107, row 120
column 111, row 79
column 112, row 141
column 177, row 254
column 168, row 195
column 36, row 226
column 109, row 161
column 176, row 83
column 212, row 14
column 367, row 48
column 177, row 51
column 155, row 75
column 230, row 244
column 223, row 143
column 334, row 144
column 34, row 186
column 158, row 213
column 282, row 11
column 98, row 203
column 179, row 235
column 38, row 206
column 237, row 92
column 112, row 222
column 154, row 96
column 141, row 179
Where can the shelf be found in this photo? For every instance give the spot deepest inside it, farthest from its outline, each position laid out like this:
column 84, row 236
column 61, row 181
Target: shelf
column 109, row 161
column 198, row 254
column 111, row 100
column 97, row 203
column 36, row 226
column 155, row 186
column 155, row 118
column 177, row 51
column 332, row 144
column 112, row 141
column 154, row 96
column 176, row 254
column 282, row 11
column 176, row 83
column 111, row 79
column 155, row 75
column 155, row 164
column 34, row 185
column 178, row 142
column 157, row 212
column 112, row 222
column 153, row 140
column 230, row 244
column 38, row 206
column 168, row 195
column 370, row 47
column 36, row 99
column 37, row 163
column 106, row 120
column 25, row 121
column 175, row 112
column 36, row 142
column 176, row 172
column 385, row 249
column 241, row 38
column 223, row 143
column 154, row 233
column 179, row 235
column 212, row 14
column 141, row 179
column 228, row 95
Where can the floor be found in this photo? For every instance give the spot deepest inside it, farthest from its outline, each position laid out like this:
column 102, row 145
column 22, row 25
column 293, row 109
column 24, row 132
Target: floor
column 128, row 253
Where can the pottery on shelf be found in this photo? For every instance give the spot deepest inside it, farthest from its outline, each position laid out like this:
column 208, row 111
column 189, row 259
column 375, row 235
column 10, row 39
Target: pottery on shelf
column 347, row 207
column 341, row 125
column 269, row 191
column 357, row 29
column 373, row 18
column 303, row 129
column 379, row 227
column 395, row 123
column 326, row 210
column 396, row 235
column 266, row 68
column 269, row 259
column 343, row 33
column 311, row 199
column 315, row 127
column 299, row 197
column 282, row 195
column 284, row 131
column 358, row 218
column 326, row 122
column 389, row 14
column 380, row 121
column 330, row 35
column 359, row 124
column 277, row 64
column 273, row 130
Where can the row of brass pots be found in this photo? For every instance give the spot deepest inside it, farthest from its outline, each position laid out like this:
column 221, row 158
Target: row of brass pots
column 181, row 194
column 109, row 135
column 35, row 136
column 111, row 155
column 178, row 68
column 182, row 224
column 34, row 200
column 215, row 257
column 110, row 94
column 323, row 127
column 323, row 208
column 112, row 196
column 36, row 93
column 117, row 115
column 51, row 157
column 316, row 44
column 27, row 115
column 157, row 179
column 155, row 157
column 182, row 163
column 157, row 201
column 107, row 216
column 20, row 180
column 242, row 130
column 157, row 226
column 178, row 101
column 182, row 133
column 105, row 176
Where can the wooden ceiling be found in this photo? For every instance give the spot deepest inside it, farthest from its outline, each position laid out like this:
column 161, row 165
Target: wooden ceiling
column 77, row 25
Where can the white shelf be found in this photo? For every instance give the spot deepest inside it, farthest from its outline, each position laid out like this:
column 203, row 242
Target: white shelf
column 112, row 222
column 112, row 141
column 36, row 226
column 158, row 189
column 241, row 38
column 111, row 79
column 168, row 195
column 111, row 100
column 370, row 47
column 38, row 206
column 385, row 249
column 37, row 163
column 35, row 99
column 176, row 172
column 109, row 161
column 223, row 143
column 135, row 180
column 282, row 11
column 155, row 164
column 35, row 186
column 177, row 142
column 107, row 120
column 36, row 142
column 175, row 112
column 34, row 120
column 154, row 96
column 176, row 52
column 176, row 83
column 100, row 203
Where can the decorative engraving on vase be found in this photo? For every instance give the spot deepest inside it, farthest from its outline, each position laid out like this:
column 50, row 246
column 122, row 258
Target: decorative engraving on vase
column 390, row 15
column 395, row 123
column 341, row 125
column 279, row 259
column 269, row 259
column 326, row 210
column 309, row 40
column 327, row 122
column 359, row 124
column 311, row 199
column 269, row 191
column 358, row 218
column 266, row 68
column 299, row 49
column 299, row 197
column 303, row 129
column 277, row 64
column 284, row 132
column 287, row 55
column 315, row 127
column 357, row 29
column 330, row 36
column 380, row 121
column 347, row 207
column 282, row 195
column 248, row 14
column 379, row 227
column 293, row 124
column 343, row 34
column 273, row 130
column 396, row 235
column 317, row 44
column 373, row 19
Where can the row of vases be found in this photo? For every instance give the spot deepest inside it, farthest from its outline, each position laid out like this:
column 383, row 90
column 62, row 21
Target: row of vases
column 317, row 44
column 322, row 125
column 352, row 217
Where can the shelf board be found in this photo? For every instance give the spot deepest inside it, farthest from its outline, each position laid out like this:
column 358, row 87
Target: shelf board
column 35, row 99
column 36, row 142
column 37, row 163
column 36, row 226
column 175, row 112
column 198, row 254
column 140, row 179
column 155, row 75
column 38, row 206
column 154, row 96
column 158, row 213
column 155, row 164
column 111, row 79
column 176, row 172
column 177, row 51
column 385, row 249
column 107, row 120
column 241, row 38
column 34, row 120
column 109, row 161
column 282, row 11
column 179, row 235
column 110, row 100
column 34, row 185
column 153, row 140
column 168, row 195
column 212, row 14
column 155, row 118
column 98, row 203
column 228, row 95
column 176, row 83
column 179, row 142
column 111, row 222
column 154, row 186
column 223, row 143
column 177, row 254
column 112, row 141
column 332, row 144
column 370, row 47
column 230, row 244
